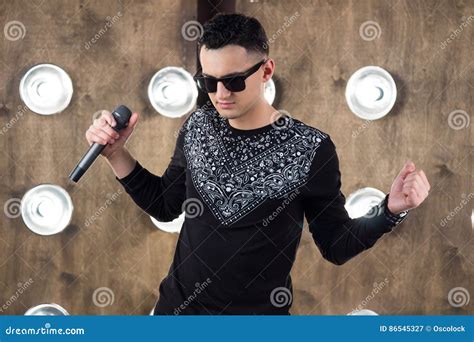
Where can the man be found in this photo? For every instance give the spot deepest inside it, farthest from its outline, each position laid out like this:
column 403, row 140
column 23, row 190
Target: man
column 246, row 176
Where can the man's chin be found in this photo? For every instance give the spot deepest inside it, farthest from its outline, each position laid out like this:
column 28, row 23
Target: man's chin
column 228, row 113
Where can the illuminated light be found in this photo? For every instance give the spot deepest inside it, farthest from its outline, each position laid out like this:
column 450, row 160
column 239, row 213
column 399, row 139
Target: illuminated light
column 172, row 92
column 371, row 93
column 46, row 89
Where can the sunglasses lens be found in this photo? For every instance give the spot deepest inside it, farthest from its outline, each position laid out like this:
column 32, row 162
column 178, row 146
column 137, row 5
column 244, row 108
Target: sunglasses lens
column 235, row 83
column 209, row 85
column 205, row 84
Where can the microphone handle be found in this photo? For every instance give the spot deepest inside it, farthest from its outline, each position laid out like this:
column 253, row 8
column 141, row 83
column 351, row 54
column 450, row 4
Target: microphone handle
column 86, row 161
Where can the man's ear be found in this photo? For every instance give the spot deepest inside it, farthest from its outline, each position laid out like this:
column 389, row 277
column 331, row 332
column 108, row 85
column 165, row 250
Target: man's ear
column 268, row 70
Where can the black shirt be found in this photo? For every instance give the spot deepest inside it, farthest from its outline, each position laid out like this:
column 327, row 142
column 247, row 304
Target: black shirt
column 245, row 194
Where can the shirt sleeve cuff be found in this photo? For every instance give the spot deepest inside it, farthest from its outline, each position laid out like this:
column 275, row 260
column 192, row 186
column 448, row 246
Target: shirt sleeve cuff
column 394, row 219
column 132, row 181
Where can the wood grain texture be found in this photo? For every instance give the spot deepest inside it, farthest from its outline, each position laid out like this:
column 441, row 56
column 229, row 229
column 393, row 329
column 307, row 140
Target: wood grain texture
column 317, row 45
column 417, row 265
column 121, row 249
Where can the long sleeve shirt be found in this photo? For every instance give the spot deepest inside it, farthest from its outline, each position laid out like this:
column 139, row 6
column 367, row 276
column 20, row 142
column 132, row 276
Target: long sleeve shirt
column 245, row 194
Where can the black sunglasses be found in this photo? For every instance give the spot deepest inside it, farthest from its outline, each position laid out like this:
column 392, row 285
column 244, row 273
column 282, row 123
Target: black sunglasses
column 234, row 83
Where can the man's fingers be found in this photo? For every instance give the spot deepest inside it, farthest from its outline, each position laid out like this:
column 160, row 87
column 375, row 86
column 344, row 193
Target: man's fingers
column 421, row 180
column 96, row 138
column 102, row 134
column 106, row 118
column 110, row 131
column 418, row 184
column 413, row 197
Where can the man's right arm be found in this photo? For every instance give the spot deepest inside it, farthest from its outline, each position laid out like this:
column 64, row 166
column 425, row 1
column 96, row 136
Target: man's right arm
column 162, row 196
column 159, row 196
column 121, row 162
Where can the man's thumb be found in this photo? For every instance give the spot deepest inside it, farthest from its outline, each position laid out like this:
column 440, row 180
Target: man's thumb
column 133, row 120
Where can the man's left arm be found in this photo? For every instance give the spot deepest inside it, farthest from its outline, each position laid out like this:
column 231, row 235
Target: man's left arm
column 338, row 237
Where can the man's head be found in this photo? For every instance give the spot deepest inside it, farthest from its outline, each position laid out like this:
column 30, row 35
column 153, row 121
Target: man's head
column 230, row 45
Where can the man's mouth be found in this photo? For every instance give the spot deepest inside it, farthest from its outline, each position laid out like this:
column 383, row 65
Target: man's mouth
column 225, row 104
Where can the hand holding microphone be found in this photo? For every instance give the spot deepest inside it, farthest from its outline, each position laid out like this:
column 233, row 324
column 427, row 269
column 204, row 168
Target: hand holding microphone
column 107, row 135
column 102, row 131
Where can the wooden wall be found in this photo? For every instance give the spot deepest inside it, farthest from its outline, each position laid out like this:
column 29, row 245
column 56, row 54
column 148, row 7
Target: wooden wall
column 410, row 271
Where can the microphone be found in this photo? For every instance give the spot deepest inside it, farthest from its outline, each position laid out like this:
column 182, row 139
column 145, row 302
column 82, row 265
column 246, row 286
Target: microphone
column 122, row 116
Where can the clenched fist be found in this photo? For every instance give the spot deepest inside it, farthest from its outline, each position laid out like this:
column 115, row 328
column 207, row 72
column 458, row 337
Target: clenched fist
column 409, row 189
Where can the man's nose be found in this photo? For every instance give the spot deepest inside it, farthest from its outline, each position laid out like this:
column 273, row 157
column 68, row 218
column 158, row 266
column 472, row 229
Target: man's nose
column 222, row 91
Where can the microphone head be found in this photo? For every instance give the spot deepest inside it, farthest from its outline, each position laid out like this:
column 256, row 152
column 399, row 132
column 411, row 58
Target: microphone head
column 122, row 116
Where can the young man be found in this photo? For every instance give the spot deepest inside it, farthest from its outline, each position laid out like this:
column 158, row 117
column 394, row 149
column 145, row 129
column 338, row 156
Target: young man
column 246, row 177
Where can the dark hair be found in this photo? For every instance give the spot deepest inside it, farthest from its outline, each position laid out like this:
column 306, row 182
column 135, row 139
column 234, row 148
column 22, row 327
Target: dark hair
column 237, row 29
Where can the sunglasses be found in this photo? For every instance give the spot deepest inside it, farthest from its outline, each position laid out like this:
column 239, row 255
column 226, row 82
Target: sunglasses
column 234, row 83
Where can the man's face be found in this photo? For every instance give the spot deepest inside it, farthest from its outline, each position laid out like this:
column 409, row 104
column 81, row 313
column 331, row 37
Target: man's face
column 232, row 59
